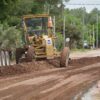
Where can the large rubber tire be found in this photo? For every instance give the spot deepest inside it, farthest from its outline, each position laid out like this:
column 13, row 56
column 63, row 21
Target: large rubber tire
column 64, row 57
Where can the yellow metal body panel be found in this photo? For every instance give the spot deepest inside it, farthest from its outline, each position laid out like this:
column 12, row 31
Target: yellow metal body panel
column 35, row 16
column 43, row 44
column 49, row 48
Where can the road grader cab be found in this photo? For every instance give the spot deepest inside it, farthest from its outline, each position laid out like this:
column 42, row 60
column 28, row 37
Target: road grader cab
column 40, row 40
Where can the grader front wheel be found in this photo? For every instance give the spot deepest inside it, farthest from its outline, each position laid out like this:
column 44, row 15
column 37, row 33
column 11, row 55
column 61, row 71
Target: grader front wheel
column 64, row 57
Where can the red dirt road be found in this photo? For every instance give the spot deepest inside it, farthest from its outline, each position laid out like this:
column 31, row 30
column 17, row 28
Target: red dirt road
column 53, row 83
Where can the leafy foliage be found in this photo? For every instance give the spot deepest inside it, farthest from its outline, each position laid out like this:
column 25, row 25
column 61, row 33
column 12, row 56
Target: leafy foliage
column 78, row 21
column 9, row 37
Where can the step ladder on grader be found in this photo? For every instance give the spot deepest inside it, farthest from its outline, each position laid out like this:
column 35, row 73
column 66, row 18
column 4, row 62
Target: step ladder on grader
column 40, row 40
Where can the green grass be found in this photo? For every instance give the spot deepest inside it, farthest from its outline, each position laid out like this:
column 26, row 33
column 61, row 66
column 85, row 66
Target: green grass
column 80, row 50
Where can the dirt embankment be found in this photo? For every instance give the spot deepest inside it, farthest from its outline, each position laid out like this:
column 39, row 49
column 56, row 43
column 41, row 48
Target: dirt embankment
column 52, row 84
column 44, row 80
column 43, row 65
column 84, row 61
column 24, row 68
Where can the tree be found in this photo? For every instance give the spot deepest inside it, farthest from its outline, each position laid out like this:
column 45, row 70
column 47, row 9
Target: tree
column 48, row 6
column 9, row 37
column 73, row 27
column 6, row 7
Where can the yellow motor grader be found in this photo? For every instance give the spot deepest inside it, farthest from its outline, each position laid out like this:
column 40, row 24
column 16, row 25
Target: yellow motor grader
column 40, row 40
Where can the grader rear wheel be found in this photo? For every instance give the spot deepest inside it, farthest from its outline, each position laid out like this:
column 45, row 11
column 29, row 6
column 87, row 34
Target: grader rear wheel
column 64, row 57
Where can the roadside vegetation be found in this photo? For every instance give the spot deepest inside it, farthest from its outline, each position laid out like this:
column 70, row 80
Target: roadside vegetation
column 80, row 25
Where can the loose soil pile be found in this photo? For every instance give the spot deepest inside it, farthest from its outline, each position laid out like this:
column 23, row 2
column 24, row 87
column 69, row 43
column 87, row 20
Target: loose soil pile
column 43, row 65
column 25, row 68
column 57, row 84
column 84, row 61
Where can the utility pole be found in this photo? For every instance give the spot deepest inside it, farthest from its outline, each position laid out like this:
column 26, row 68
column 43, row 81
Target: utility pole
column 54, row 25
column 90, row 37
column 93, row 38
column 83, row 27
column 97, row 33
column 64, row 30
column 54, row 29
column 64, row 26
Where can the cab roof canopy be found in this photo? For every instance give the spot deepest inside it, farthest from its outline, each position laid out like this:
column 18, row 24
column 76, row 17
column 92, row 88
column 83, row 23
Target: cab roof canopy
column 35, row 16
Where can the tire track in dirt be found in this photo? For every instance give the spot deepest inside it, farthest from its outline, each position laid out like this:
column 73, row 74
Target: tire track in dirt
column 51, row 85
column 67, row 91
column 43, row 73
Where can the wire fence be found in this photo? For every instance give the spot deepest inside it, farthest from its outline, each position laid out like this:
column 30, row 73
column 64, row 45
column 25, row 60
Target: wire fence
column 82, row 4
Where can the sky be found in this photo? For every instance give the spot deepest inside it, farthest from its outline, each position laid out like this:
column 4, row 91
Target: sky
column 96, row 4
